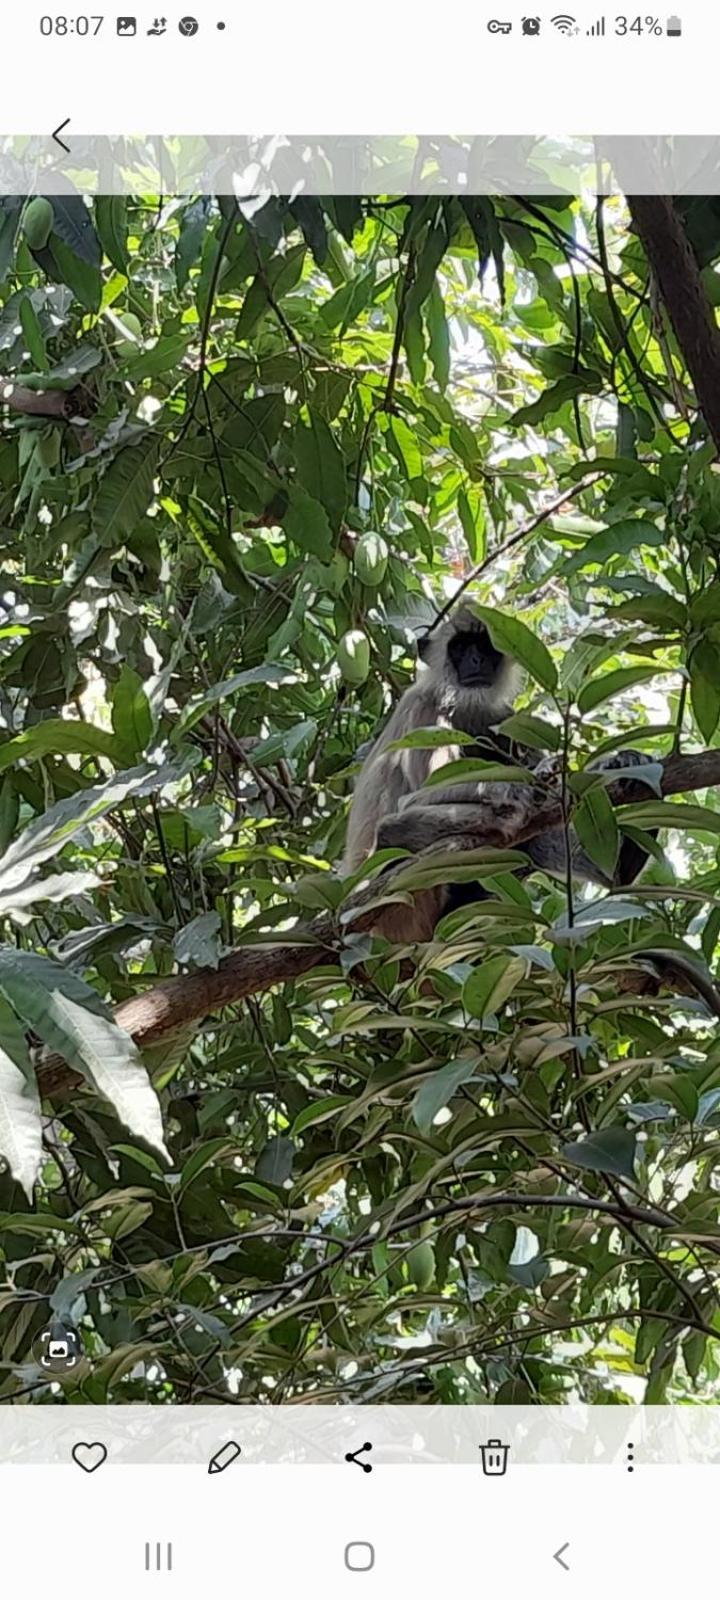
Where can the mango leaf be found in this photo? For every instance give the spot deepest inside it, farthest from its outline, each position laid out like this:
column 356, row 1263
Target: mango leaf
column 555, row 397
column 657, row 610
column 112, row 227
column 33, row 334
column 608, row 1150
column 58, row 736
column 132, row 718
column 439, row 344
column 321, row 467
column 437, row 1091
column 489, row 986
column 125, row 493
column 598, row 689
column 306, row 523
column 84, row 279
column 430, row 739
column 49, row 833
column 407, row 447
column 667, row 814
column 71, row 1019
column 197, row 943
column 20, row 1109
column 166, row 355
column 471, row 771
column 620, row 538
column 596, row 827
column 275, row 1162
column 512, row 636
column 705, row 686
column 191, row 238
column 534, row 732
column 473, row 523
column 73, row 224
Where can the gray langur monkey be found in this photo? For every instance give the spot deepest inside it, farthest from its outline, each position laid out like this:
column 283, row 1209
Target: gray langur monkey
column 469, row 686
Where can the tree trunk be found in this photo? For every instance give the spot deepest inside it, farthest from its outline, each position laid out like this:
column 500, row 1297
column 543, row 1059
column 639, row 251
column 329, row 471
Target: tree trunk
column 677, row 274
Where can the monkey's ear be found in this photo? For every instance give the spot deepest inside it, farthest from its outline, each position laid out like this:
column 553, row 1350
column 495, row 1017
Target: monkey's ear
column 423, row 646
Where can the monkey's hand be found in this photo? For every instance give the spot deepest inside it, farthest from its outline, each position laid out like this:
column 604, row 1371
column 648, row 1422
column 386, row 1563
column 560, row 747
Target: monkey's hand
column 626, row 761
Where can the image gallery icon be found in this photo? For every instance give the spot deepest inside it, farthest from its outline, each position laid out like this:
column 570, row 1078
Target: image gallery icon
column 126, row 27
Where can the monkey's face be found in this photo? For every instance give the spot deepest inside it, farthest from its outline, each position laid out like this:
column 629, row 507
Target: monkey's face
column 473, row 659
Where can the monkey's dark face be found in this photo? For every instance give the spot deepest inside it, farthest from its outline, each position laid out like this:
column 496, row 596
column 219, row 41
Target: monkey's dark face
column 474, row 659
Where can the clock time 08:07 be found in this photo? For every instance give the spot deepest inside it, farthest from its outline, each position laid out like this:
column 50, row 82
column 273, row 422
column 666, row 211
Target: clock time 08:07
column 79, row 26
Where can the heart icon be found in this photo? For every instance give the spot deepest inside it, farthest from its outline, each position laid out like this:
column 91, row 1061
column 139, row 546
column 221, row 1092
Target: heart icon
column 89, row 1456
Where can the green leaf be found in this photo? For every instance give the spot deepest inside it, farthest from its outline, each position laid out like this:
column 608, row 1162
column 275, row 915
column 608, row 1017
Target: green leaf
column 132, row 718
column 306, row 523
column 657, row 610
column 619, row 538
column 59, row 737
column 596, row 827
column 73, row 225
column 33, row 334
column 430, row 739
column 191, row 238
column 705, row 686
column 84, row 280
column 555, row 398
column 125, row 493
column 71, row 1019
column 667, row 814
column 471, row 515
column 515, row 639
column 407, row 447
column 597, row 690
column 439, row 346
column 20, row 1110
column 471, row 771
column 609, row 1150
column 275, row 1162
column 436, row 1092
column 321, row 467
column 197, row 943
column 414, row 343
column 165, row 356
column 532, row 731
column 112, row 226
column 489, row 986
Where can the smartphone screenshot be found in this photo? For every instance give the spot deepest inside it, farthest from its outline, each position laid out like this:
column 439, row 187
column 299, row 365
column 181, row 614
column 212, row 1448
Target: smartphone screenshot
column 359, row 801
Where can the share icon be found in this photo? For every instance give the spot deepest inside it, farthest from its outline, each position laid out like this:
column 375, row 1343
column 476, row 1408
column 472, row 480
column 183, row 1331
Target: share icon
column 352, row 1455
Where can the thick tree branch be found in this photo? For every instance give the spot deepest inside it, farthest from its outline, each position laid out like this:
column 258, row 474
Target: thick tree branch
column 677, row 274
column 175, row 1004
column 58, row 404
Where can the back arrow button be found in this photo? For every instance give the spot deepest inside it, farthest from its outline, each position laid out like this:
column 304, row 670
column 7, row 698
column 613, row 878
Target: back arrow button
column 60, row 129
column 558, row 1556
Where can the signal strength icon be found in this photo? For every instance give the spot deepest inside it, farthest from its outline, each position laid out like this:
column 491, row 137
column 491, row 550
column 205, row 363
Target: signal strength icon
column 597, row 31
column 564, row 24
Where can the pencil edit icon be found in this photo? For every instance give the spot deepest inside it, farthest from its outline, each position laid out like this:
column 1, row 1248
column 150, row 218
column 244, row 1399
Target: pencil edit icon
column 225, row 1457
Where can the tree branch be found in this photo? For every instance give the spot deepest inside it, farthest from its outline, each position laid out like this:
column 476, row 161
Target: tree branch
column 175, row 1004
column 59, row 404
column 674, row 266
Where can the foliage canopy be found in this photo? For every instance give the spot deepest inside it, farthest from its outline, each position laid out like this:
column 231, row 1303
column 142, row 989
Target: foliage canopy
column 208, row 414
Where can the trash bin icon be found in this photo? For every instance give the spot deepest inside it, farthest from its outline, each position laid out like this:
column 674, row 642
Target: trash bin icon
column 494, row 1458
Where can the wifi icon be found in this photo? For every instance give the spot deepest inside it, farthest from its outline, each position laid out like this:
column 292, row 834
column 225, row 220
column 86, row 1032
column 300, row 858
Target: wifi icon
column 564, row 24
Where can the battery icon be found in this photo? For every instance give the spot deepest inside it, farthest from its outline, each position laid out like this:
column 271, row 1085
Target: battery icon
column 674, row 27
